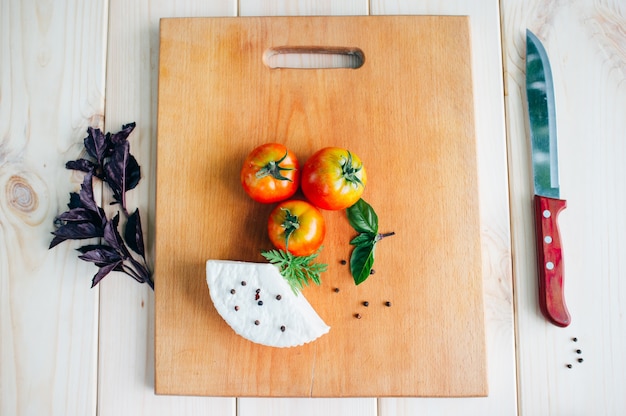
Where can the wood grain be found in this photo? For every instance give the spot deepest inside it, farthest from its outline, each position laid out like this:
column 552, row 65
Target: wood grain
column 494, row 207
column 51, row 90
column 302, row 7
column 126, row 342
column 304, row 406
column 495, row 236
column 217, row 100
column 52, row 87
column 585, row 44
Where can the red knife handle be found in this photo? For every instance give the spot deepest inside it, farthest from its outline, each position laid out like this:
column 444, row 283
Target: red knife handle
column 550, row 260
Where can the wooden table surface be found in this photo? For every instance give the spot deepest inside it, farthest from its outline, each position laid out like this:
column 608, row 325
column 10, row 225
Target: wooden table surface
column 66, row 349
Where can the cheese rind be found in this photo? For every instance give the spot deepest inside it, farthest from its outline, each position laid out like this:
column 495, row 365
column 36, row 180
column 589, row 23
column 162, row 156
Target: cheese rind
column 273, row 316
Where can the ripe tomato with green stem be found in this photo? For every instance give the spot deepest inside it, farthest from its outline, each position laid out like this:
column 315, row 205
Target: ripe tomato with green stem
column 297, row 227
column 270, row 173
column 333, row 178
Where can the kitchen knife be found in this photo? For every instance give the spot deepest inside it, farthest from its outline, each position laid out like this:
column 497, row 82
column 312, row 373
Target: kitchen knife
column 548, row 205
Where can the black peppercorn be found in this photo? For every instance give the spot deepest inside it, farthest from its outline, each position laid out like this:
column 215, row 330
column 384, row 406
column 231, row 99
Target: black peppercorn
column 580, row 360
column 343, row 262
column 282, row 328
column 372, row 271
column 236, row 308
column 569, row 366
column 260, row 303
column 366, row 303
column 233, row 291
column 387, row 303
column 578, row 352
column 336, row 290
column 278, row 297
column 243, row 283
column 575, row 339
column 257, row 322
column 357, row 316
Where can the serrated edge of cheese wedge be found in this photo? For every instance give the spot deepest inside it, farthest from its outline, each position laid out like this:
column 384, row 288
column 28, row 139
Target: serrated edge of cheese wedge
column 260, row 323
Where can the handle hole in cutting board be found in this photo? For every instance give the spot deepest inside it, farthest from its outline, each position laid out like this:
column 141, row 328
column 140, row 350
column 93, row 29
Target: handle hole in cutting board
column 313, row 57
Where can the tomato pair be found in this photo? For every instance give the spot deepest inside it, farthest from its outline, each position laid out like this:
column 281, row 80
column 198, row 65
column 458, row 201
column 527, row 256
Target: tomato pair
column 332, row 179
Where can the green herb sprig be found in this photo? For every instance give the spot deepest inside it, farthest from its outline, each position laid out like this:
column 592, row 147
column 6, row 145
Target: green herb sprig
column 364, row 220
column 297, row 270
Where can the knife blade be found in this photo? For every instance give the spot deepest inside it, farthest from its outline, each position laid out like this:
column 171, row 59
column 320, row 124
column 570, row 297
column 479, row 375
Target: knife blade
column 547, row 201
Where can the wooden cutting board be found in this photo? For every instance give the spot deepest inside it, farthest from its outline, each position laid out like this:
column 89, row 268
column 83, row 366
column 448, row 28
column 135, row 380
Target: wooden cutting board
column 408, row 113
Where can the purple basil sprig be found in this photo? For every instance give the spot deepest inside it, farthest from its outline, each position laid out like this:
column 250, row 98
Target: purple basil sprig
column 110, row 161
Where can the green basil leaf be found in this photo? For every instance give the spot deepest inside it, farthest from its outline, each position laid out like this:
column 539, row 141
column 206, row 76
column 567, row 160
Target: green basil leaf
column 361, row 262
column 362, row 217
column 363, row 239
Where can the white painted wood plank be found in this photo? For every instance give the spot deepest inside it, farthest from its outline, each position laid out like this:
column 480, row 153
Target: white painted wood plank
column 493, row 188
column 51, row 90
column 586, row 44
column 304, row 406
column 126, row 365
column 302, row 7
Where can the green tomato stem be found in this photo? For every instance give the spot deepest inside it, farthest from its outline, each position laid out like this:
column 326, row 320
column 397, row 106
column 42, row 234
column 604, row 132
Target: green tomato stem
column 349, row 171
column 274, row 169
column 290, row 224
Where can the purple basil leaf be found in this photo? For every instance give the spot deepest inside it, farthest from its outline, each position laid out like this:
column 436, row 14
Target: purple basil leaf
column 77, row 224
column 121, row 136
column 112, row 236
column 133, row 173
column 104, row 270
column 56, row 241
column 133, row 233
column 140, row 272
column 82, row 165
column 87, row 199
column 77, row 215
column 144, row 273
column 89, row 247
column 96, row 144
column 115, row 172
column 75, row 231
column 74, row 200
column 99, row 254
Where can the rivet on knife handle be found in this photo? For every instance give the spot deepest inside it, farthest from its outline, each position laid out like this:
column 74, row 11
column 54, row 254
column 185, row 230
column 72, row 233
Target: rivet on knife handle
column 550, row 260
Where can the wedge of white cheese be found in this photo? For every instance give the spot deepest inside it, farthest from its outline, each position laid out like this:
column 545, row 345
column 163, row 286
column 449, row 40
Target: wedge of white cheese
column 258, row 304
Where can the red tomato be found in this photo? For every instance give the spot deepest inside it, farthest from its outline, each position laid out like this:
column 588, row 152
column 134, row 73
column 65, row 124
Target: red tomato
column 296, row 226
column 333, row 178
column 270, row 173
